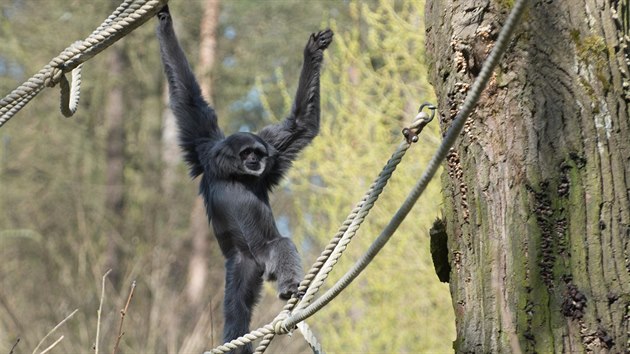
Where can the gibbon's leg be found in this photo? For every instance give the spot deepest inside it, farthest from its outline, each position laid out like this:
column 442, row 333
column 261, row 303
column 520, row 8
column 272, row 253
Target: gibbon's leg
column 243, row 282
column 285, row 266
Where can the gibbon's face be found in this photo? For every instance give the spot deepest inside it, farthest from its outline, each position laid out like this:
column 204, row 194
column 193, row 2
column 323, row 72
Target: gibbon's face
column 252, row 151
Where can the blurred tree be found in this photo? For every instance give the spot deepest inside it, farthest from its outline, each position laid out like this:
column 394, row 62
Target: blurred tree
column 115, row 107
column 536, row 190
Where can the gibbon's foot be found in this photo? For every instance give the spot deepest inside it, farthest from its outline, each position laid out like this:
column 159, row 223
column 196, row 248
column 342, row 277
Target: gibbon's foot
column 285, row 291
column 323, row 38
column 164, row 14
column 317, row 42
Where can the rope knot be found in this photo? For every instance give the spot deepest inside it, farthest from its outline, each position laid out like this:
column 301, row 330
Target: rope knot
column 53, row 75
column 419, row 122
column 278, row 323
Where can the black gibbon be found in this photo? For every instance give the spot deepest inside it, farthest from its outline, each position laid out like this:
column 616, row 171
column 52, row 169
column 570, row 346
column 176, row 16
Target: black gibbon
column 239, row 171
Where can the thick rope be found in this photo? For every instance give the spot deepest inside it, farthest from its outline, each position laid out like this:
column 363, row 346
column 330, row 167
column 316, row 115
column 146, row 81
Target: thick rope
column 337, row 245
column 127, row 17
column 436, row 160
column 349, row 228
column 310, row 338
column 325, row 262
column 70, row 92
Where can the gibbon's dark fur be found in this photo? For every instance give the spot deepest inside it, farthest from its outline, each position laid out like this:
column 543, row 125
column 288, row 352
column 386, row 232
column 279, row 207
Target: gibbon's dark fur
column 238, row 172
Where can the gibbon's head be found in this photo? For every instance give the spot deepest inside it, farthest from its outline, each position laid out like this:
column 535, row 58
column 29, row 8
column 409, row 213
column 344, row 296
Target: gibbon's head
column 243, row 154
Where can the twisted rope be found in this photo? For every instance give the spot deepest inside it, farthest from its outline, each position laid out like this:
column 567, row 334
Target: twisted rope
column 338, row 244
column 310, row 338
column 127, row 17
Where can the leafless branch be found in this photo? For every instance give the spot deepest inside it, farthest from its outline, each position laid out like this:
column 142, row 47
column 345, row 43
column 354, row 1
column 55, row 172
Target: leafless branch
column 100, row 309
column 52, row 331
column 14, row 345
column 122, row 317
column 52, row 345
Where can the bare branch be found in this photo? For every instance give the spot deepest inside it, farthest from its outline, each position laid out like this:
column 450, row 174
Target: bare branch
column 14, row 345
column 52, row 345
column 122, row 317
column 52, row 331
column 98, row 312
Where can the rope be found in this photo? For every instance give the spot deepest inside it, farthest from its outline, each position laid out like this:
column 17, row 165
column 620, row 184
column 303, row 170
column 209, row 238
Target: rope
column 127, row 17
column 355, row 219
column 282, row 323
column 310, row 338
column 352, row 222
column 70, row 92
column 438, row 157
column 335, row 248
column 325, row 262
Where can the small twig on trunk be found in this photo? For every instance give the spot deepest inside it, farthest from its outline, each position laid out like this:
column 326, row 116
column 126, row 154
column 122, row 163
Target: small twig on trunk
column 122, row 317
column 14, row 345
column 52, row 331
column 51, row 346
column 98, row 312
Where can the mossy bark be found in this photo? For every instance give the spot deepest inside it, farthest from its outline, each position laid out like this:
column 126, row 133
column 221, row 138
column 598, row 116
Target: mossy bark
column 537, row 189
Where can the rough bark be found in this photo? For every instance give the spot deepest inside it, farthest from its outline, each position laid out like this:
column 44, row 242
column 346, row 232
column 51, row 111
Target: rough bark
column 537, row 190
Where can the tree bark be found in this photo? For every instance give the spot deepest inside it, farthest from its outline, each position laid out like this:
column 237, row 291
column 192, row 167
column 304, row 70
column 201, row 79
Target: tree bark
column 537, row 190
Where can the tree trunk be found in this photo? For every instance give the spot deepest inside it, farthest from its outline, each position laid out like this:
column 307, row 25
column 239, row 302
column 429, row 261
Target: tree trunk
column 198, row 264
column 115, row 156
column 536, row 191
column 170, row 149
column 208, row 45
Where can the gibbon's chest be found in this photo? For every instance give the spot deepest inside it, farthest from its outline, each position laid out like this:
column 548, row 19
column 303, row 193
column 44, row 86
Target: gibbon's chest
column 238, row 202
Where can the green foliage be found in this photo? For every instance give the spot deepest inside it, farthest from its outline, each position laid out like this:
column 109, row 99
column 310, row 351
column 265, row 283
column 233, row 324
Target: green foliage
column 372, row 83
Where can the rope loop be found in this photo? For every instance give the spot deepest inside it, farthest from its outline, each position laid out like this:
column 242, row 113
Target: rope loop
column 70, row 92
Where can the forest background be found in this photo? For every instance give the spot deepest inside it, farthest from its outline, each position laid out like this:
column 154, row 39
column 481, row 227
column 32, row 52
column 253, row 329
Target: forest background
column 107, row 188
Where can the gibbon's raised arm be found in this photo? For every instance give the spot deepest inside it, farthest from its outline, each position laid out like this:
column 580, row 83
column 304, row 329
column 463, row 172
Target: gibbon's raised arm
column 197, row 121
column 290, row 136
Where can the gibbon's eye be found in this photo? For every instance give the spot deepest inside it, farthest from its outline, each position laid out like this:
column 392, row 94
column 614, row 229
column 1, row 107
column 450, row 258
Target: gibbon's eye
column 257, row 152
column 260, row 153
column 245, row 152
